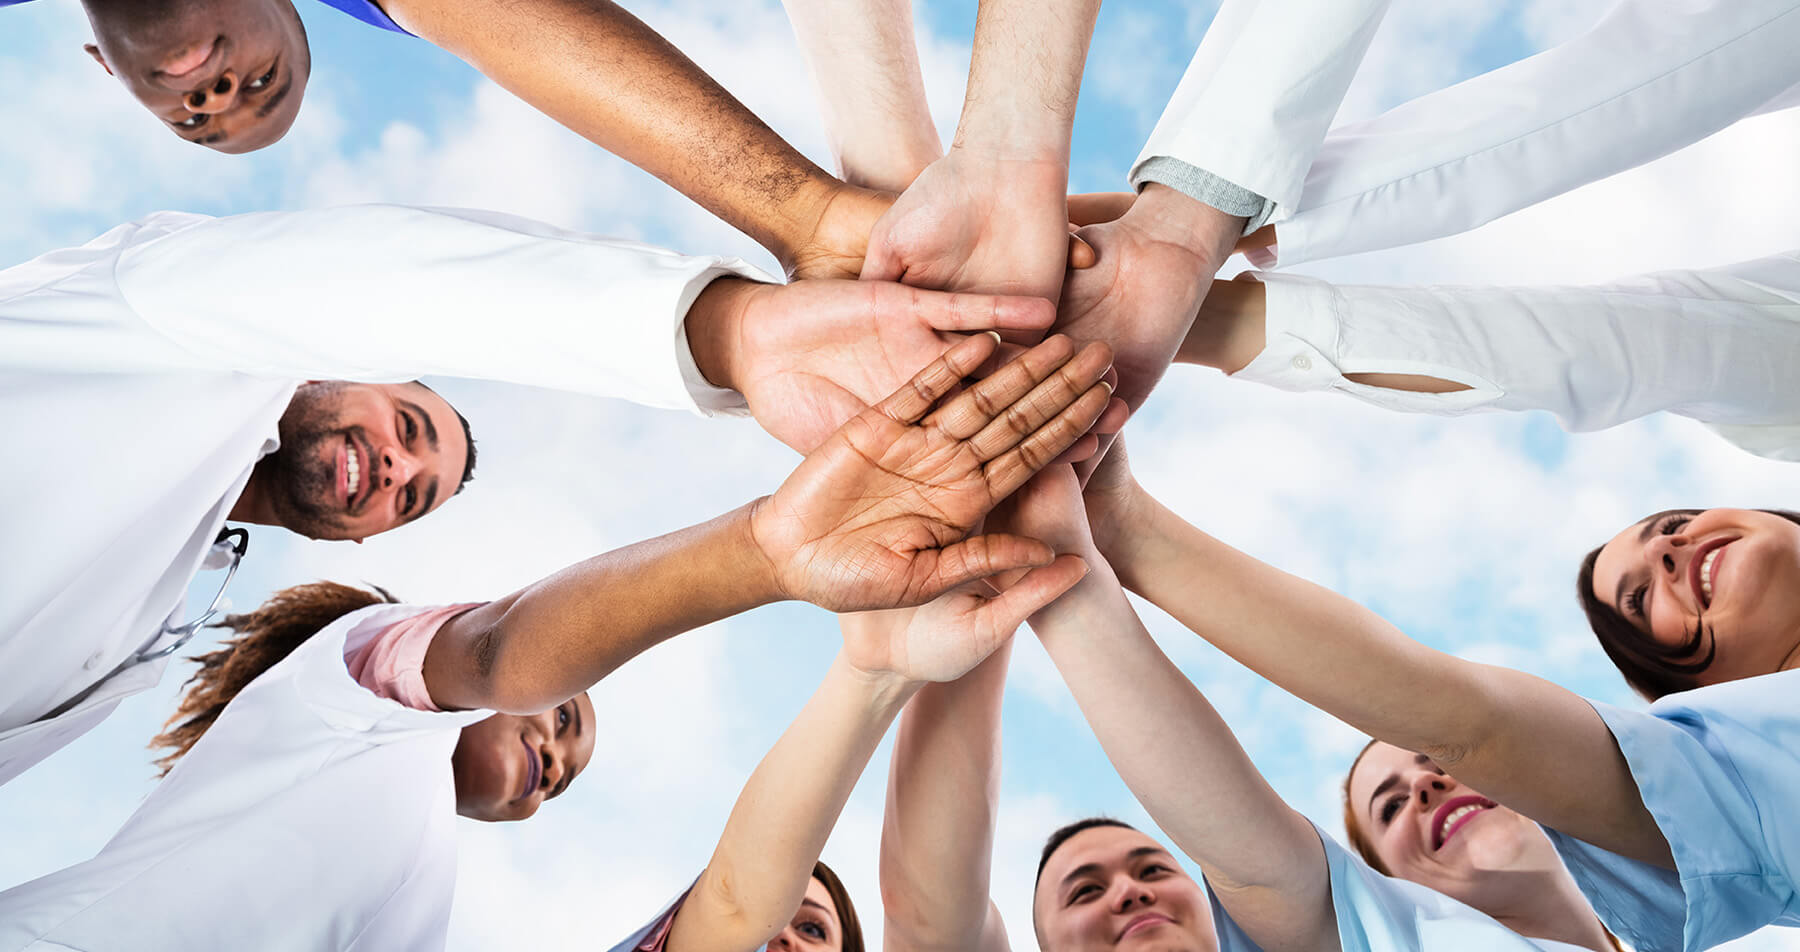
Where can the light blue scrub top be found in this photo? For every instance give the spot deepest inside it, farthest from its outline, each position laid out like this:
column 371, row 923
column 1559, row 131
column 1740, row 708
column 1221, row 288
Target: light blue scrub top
column 1377, row 913
column 1719, row 769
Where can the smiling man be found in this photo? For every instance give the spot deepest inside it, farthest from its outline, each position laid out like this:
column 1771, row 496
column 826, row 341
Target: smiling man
column 279, row 387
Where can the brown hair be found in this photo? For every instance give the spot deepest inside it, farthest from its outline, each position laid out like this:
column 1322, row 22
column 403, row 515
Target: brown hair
column 1652, row 668
column 1359, row 841
column 846, row 911
column 264, row 637
column 1365, row 847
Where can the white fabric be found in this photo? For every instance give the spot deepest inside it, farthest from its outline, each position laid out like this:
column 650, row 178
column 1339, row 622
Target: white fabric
column 1719, row 346
column 1256, row 100
column 142, row 375
column 1650, row 77
column 312, row 815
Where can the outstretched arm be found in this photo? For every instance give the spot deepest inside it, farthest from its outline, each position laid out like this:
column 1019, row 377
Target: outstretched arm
column 992, row 214
column 1262, row 859
column 874, row 518
column 937, row 834
column 781, row 821
column 595, row 68
column 865, row 68
column 1530, row 744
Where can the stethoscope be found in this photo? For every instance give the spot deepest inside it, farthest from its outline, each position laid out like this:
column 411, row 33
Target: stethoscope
column 232, row 543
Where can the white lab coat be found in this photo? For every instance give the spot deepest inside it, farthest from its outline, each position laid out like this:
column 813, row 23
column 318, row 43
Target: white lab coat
column 1651, row 77
column 142, row 375
column 1256, row 100
column 313, row 815
column 1718, row 345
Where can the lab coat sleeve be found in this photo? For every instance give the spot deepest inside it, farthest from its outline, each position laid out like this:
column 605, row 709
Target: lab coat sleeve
column 1716, row 768
column 1651, row 77
column 1719, row 346
column 1256, row 100
column 387, row 293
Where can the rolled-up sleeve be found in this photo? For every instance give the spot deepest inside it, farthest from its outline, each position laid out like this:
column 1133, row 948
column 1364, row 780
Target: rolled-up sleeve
column 386, row 293
column 1717, row 345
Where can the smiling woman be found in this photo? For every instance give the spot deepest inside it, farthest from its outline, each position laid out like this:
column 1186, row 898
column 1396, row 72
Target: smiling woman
column 1689, row 597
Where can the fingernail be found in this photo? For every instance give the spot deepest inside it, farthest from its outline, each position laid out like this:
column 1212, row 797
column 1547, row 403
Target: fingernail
column 1108, row 386
column 994, row 334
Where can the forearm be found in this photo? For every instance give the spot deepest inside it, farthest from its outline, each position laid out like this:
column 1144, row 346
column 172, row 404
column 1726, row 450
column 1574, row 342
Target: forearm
column 865, row 69
column 786, row 812
column 1717, row 345
column 937, row 832
column 540, row 646
column 1651, row 77
column 1522, row 740
column 1025, row 76
column 1263, row 859
column 598, row 70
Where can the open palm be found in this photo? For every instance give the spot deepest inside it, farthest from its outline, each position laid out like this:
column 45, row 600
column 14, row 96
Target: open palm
column 877, row 516
column 813, row 354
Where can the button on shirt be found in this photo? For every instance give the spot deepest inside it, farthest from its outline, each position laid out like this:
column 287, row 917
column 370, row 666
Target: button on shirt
column 138, row 398
column 1719, row 346
column 1717, row 768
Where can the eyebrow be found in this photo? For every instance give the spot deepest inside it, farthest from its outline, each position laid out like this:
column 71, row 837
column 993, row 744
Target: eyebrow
column 819, row 906
column 431, row 439
column 1392, row 779
column 1089, row 868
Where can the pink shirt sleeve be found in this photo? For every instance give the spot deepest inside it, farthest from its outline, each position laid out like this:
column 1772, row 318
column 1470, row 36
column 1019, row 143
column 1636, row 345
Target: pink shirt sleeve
column 389, row 663
column 657, row 939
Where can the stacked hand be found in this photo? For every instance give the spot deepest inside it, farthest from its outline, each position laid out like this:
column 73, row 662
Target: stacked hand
column 876, row 516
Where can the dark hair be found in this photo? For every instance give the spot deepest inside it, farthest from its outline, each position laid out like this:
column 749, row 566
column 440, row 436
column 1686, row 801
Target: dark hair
column 846, row 911
column 264, row 637
column 468, row 472
column 1066, row 833
column 1651, row 668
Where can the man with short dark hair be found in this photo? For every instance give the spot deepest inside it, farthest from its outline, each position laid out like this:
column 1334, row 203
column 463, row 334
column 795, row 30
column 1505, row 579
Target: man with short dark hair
column 182, row 371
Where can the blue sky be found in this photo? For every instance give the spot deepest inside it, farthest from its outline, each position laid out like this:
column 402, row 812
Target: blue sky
column 1465, row 532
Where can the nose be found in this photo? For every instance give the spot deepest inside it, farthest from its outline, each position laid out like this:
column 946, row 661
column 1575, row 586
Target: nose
column 215, row 97
column 554, row 766
column 1430, row 787
column 397, row 467
column 1130, row 893
column 783, row 940
column 1669, row 552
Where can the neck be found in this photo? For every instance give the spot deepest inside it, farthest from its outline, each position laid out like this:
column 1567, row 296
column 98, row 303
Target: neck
column 252, row 505
column 1792, row 660
column 1548, row 905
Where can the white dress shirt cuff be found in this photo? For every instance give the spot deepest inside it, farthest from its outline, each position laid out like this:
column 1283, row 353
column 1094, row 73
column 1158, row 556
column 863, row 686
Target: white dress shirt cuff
column 1311, row 344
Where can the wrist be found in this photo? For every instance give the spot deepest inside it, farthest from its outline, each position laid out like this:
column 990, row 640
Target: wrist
column 1169, row 215
column 714, row 328
column 800, row 216
column 886, row 691
column 1231, row 327
column 751, row 561
column 1133, row 554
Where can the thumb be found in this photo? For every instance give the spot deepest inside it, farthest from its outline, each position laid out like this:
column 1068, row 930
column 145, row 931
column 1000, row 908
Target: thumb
column 882, row 261
column 1081, row 254
column 978, row 557
column 1038, row 588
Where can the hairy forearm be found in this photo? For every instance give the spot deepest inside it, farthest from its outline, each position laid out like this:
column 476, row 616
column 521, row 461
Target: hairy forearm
column 937, row 832
column 531, row 650
column 779, row 825
column 1025, row 76
column 1524, row 741
column 595, row 68
column 865, row 68
column 1187, row 769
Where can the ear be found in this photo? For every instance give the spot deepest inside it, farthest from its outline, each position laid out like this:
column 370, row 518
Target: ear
column 94, row 51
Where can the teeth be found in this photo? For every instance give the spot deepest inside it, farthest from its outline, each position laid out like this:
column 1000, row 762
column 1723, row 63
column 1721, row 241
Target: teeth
column 1455, row 815
column 1706, row 567
column 351, row 470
